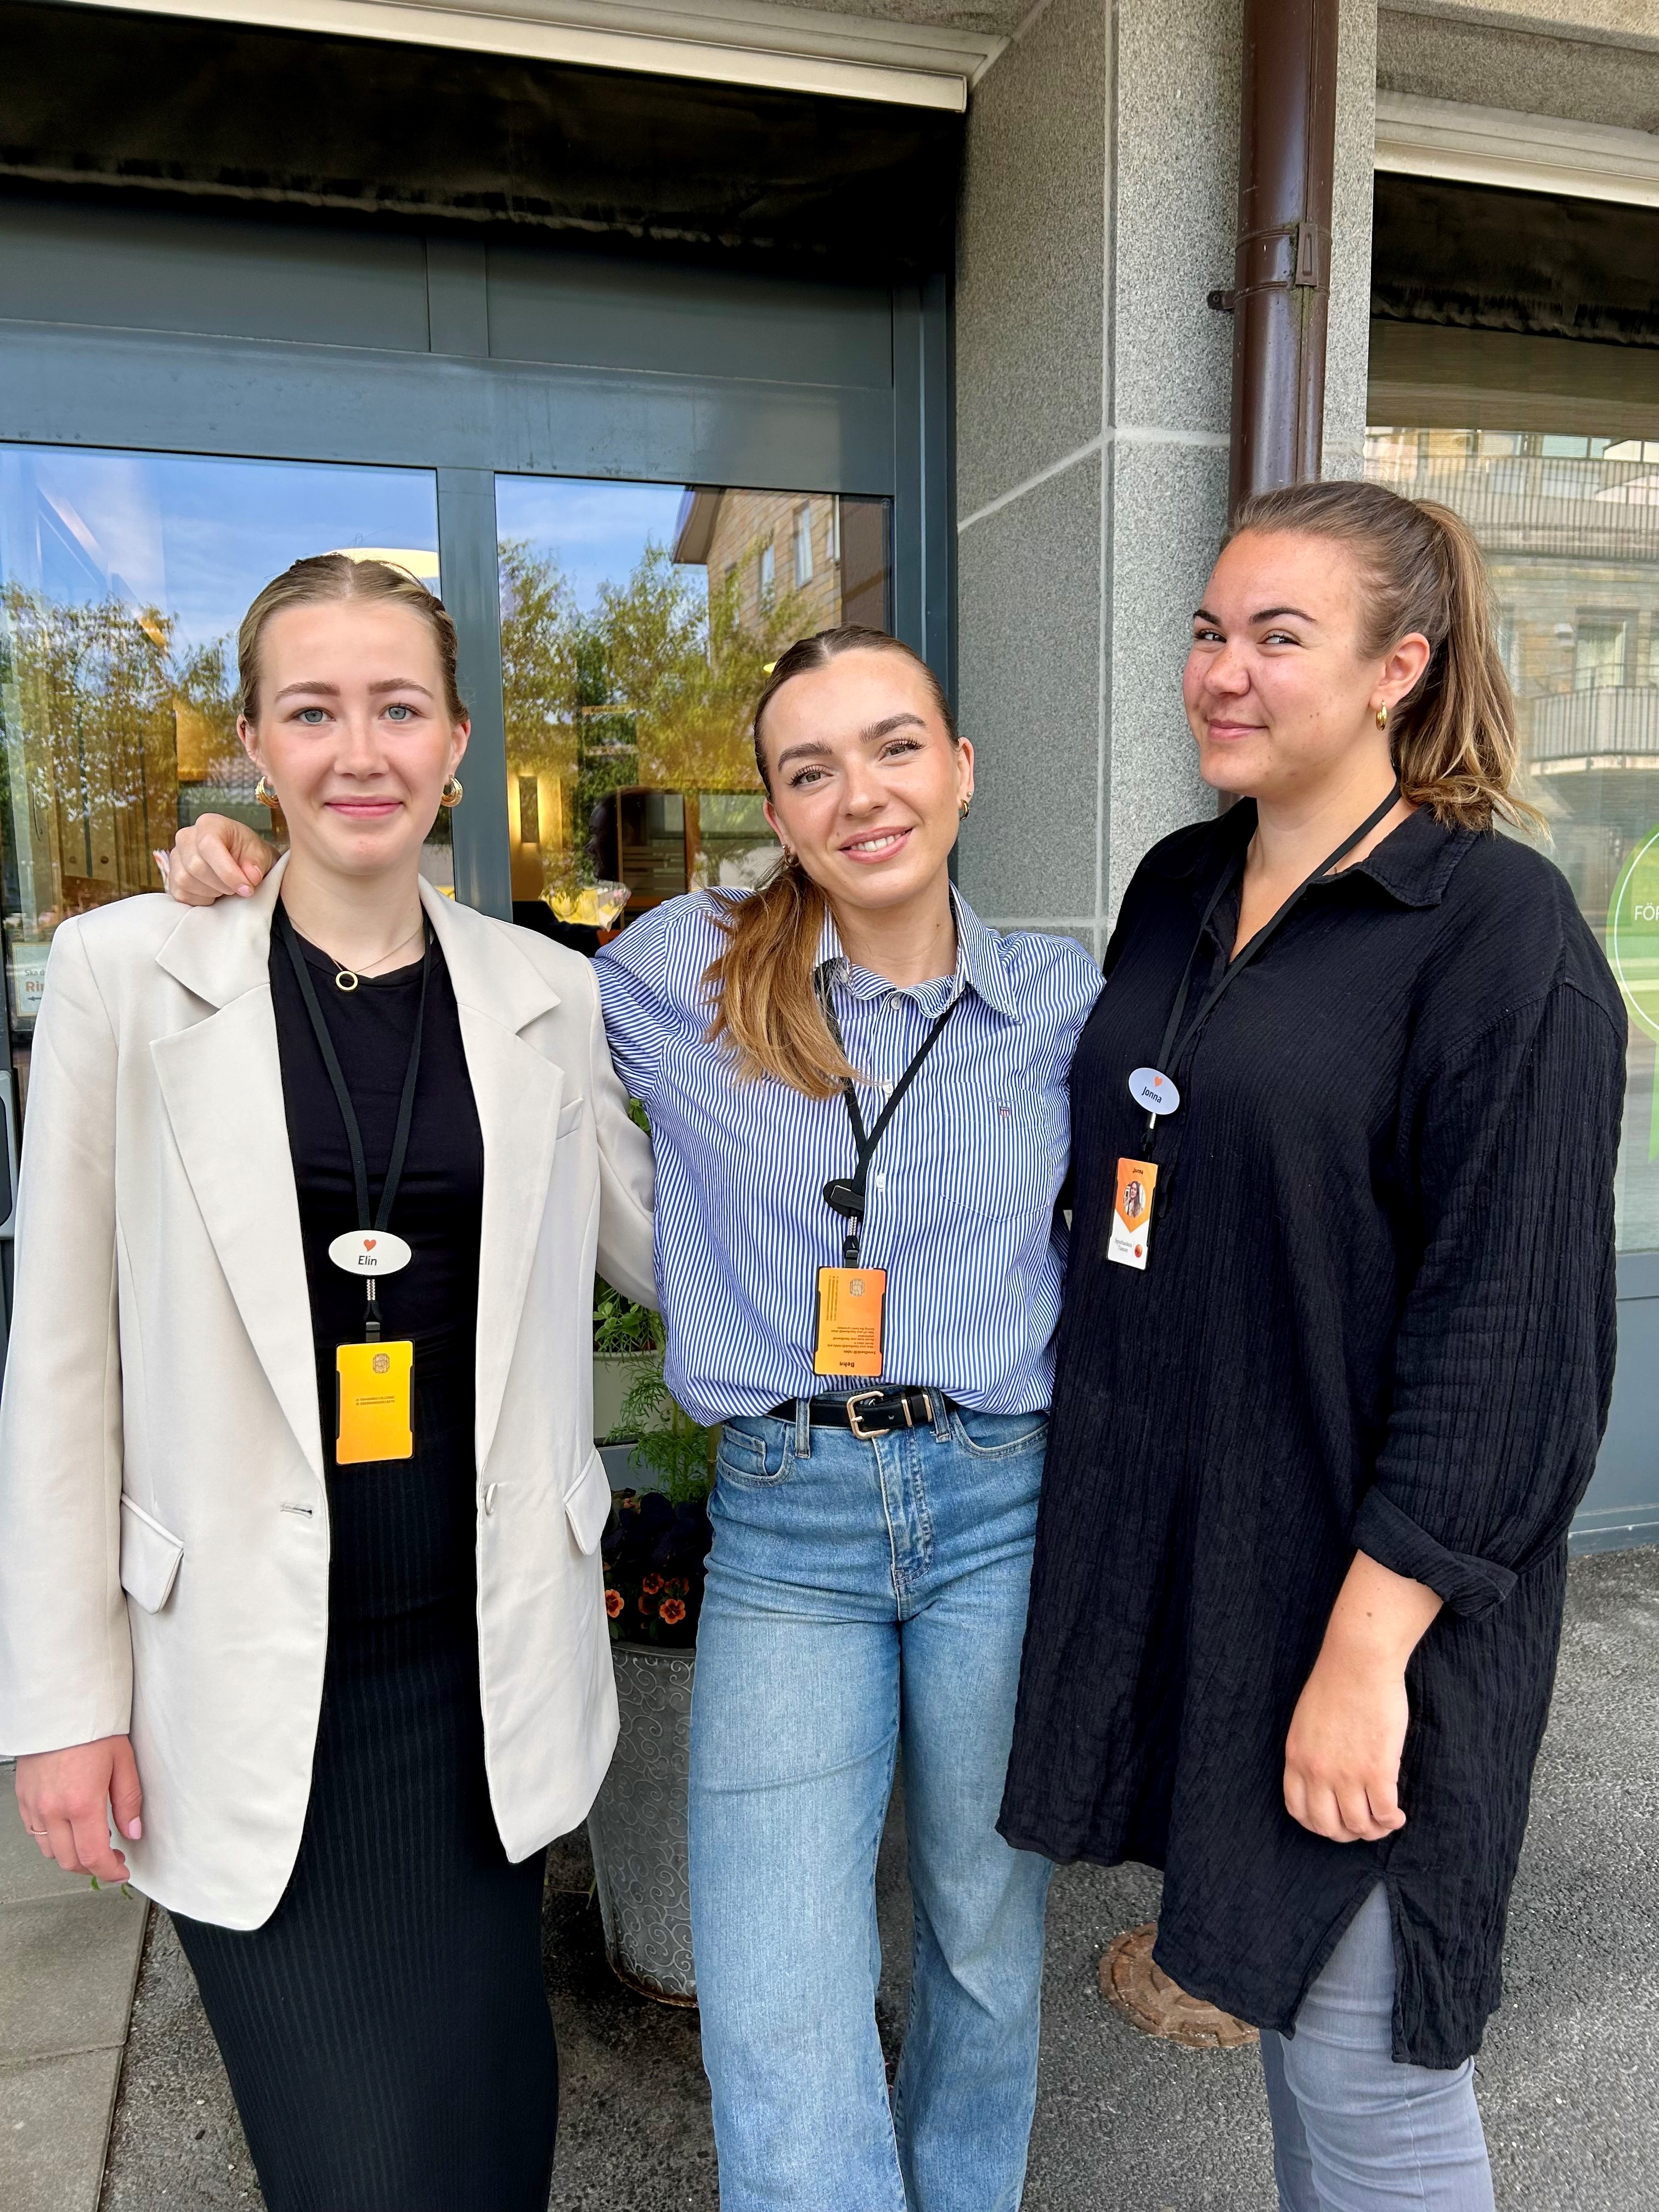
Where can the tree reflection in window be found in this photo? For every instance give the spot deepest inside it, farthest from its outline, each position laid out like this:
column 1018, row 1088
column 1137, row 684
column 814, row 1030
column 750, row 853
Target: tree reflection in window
column 649, row 691
column 114, row 734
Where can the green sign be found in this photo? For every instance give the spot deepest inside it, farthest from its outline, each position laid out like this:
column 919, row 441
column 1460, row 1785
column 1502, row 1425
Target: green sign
column 1633, row 934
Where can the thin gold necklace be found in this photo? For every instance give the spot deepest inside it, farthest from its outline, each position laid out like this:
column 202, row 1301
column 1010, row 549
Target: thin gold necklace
column 347, row 979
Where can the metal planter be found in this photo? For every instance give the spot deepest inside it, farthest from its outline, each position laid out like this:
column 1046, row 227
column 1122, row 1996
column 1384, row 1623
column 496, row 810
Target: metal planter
column 637, row 1827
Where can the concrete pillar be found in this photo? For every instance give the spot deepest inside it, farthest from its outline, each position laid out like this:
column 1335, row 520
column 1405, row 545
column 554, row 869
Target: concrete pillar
column 1347, row 344
column 1093, row 395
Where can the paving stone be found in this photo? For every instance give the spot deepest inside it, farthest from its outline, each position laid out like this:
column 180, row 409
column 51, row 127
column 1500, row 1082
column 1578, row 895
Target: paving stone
column 67, row 1965
column 1569, row 2079
column 54, row 2118
column 23, row 1872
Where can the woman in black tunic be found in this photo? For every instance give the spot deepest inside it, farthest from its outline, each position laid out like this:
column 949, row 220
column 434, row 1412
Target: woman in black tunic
column 1317, row 1439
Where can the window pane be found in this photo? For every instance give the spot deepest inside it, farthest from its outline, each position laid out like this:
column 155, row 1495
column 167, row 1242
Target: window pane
column 1570, row 529
column 123, row 578
column 637, row 624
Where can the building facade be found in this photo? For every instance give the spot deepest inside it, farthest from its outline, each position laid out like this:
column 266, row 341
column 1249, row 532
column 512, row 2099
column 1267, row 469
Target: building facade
column 660, row 336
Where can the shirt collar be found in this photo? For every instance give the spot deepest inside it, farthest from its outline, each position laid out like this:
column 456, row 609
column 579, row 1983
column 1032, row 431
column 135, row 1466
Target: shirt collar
column 1413, row 864
column 1416, row 862
column 979, row 965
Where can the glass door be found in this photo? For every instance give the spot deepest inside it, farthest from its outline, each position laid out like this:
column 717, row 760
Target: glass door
column 1569, row 520
column 638, row 622
column 123, row 579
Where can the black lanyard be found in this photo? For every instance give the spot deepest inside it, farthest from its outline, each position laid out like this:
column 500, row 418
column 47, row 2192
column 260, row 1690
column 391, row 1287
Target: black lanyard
column 394, row 1171
column 1246, row 953
column 846, row 1193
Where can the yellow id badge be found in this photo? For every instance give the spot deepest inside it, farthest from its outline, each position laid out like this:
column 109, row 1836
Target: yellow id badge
column 372, row 1387
column 850, row 1301
column 1131, row 1213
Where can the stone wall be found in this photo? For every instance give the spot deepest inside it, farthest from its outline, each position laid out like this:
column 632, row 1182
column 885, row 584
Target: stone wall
column 1093, row 397
column 1536, row 69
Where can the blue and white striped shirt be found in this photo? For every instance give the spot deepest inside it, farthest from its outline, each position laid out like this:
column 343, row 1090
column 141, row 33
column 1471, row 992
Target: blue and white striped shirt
column 961, row 1205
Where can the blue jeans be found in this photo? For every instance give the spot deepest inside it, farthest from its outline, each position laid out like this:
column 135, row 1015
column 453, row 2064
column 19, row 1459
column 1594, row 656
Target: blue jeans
column 1353, row 2130
column 863, row 1596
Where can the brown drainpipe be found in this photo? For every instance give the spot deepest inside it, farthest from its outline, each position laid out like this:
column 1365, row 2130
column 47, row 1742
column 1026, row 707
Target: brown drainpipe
column 1282, row 272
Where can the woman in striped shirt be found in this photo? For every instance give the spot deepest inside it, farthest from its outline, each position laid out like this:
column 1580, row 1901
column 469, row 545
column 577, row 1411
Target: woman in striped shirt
column 867, row 1301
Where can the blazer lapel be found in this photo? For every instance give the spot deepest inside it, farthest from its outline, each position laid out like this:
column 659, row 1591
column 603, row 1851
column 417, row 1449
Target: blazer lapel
column 222, row 1084
column 518, row 1092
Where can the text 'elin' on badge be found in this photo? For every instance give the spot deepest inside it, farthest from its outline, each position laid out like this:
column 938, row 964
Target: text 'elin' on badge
column 370, row 1252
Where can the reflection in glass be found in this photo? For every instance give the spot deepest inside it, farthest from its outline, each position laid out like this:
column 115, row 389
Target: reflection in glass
column 638, row 625
column 123, row 578
column 1570, row 525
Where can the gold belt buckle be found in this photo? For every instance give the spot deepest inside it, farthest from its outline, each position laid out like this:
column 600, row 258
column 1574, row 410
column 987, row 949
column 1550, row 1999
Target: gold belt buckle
column 863, row 1398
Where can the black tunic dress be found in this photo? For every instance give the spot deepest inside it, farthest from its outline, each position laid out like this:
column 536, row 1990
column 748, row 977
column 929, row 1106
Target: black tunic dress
column 1379, row 1313
column 386, row 2030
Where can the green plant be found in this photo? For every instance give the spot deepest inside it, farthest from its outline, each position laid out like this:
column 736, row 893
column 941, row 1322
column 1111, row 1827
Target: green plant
column 620, row 1326
column 678, row 1450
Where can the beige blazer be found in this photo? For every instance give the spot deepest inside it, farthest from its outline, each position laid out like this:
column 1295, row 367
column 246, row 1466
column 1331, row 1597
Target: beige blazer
column 164, row 1530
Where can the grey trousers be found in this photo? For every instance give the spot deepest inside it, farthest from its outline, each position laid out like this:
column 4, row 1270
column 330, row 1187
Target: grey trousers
column 1354, row 2132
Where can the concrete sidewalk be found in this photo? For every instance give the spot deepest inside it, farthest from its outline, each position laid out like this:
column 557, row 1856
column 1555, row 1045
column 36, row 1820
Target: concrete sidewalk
column 1569, row 2079
column 68, row 1957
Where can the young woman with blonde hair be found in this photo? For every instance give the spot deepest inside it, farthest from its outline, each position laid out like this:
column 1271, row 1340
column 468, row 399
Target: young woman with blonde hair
column 1323, row 1415
column 857, row 1101
column 299, row 1505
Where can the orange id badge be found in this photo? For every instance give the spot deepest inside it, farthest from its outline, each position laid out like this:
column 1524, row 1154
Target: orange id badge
column 372, row 1394
column 850, row 1302
column 1131, row 1213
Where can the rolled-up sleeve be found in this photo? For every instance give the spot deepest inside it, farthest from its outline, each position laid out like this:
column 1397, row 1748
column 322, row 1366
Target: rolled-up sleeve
column 1504, row 1351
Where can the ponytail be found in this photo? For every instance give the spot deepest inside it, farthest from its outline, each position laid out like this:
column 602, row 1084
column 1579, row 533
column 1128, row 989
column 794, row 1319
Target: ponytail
column 765, row 990
column 763, row 987
column 1453, row 737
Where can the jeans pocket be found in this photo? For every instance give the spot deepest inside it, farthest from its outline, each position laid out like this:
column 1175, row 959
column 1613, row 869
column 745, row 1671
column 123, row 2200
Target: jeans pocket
column 754, row 1453
column 999, row 1436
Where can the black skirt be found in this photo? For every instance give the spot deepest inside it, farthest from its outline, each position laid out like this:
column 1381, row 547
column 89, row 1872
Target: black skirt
column 386, row 2030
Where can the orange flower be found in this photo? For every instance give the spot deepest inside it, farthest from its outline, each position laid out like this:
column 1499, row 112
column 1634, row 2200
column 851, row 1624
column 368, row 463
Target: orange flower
column 672, row 1612
column 613, row 1602
column 651, row 1584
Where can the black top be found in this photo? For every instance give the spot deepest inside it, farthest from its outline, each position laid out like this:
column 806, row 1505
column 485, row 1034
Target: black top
column 1379, row 1313
column 438, row 1210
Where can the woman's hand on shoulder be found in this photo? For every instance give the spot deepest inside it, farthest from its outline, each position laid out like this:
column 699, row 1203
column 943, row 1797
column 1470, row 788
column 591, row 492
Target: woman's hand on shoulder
column 214, row 856
column 65, row 1798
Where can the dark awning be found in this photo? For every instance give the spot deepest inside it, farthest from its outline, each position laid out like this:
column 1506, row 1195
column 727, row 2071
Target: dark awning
column 1475, row 258
column 145, row 105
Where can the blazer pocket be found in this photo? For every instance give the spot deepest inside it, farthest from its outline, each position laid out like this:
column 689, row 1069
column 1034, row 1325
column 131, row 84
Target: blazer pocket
column 150, row 1557
column 587, row 1505
column 569, row 1115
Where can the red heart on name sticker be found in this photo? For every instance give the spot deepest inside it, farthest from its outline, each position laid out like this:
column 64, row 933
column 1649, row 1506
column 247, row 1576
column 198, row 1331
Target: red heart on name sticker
column 370, row 1242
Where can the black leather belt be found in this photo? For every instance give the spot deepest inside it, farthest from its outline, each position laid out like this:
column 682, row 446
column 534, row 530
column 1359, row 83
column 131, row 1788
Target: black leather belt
column 872, row 1412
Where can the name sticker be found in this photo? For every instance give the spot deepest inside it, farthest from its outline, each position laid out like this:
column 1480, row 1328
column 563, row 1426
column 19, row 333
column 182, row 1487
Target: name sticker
column 370, row 1252
column 1150, row 1088
column 1131, row 1213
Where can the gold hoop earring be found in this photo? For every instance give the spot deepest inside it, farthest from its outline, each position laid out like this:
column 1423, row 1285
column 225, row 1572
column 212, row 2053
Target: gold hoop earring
column 263, row 795
column 1382, row 718
column 451, row 794
column 962, row 811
